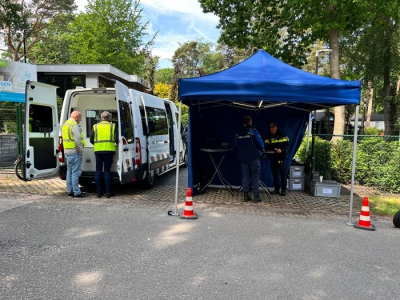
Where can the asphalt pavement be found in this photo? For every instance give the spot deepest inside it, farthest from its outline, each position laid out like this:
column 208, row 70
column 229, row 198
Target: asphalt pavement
column 128, row 247
column 73, row 250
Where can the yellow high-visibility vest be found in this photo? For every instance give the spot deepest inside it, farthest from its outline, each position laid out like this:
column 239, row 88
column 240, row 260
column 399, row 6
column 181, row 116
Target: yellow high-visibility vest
column 104, row 136
column 67, row 135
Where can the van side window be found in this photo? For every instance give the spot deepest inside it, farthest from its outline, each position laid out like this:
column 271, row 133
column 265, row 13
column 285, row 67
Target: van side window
column 126, row 122
column 94, row 116
column 40, row 118
column 143, row 117
column 157, row 120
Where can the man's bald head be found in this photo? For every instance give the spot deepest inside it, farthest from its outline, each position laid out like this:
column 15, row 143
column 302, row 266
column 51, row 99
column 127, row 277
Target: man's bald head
column 77, row 116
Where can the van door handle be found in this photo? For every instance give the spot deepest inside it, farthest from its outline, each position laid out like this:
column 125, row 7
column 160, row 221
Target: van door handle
column 165, row 142
column 125, row 149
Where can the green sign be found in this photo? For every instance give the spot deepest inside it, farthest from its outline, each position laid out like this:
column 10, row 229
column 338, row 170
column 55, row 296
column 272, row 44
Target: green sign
column 3, row 63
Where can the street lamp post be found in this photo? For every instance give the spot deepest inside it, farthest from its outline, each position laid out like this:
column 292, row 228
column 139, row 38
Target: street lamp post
column 316, row 55
column 315, row 113
column 24, row 40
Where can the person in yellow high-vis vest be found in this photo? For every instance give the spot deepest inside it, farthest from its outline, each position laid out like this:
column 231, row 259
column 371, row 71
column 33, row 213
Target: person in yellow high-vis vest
column 73, row 144
column 104, row 137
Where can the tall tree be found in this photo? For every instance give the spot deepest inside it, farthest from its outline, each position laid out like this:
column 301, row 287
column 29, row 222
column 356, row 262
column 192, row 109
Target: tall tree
column 53, row 48
column 24, row 31
column 373, row 52
column 193, row 59
column 286, row 29
column 9, row 14
column 165, row 75
column 111, row 32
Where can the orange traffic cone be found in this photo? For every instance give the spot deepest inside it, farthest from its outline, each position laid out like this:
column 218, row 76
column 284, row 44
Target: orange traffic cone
column 188, row 213
column 364, row 222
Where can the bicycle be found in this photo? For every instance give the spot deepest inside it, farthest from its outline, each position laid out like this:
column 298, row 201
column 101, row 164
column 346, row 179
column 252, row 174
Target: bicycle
column 19, row 167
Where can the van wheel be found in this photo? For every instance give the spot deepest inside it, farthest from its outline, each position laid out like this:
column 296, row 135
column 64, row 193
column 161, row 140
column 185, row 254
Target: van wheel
column 148, row 183
column 396, row 220
column 185, row 160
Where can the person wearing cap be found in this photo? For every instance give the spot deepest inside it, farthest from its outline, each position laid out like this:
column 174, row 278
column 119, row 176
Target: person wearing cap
column 278, row 143
column 249, row 147
column 73, row 144
column 104, row 137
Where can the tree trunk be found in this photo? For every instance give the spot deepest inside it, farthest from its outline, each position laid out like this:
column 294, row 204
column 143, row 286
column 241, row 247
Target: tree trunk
column 338, row 127
column 386, row 87
column 369, row 101
column 386, row 103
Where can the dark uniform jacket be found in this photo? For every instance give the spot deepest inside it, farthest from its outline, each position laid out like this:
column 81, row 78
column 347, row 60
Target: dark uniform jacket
column 249, row 144
column 281, row 141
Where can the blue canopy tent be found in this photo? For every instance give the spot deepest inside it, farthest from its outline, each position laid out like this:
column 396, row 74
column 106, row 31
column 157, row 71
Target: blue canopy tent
column 264, row 88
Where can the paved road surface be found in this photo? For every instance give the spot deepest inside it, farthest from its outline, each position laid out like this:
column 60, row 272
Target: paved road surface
column 67, row 249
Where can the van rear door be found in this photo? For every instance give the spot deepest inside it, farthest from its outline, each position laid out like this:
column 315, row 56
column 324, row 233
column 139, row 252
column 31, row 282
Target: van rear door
column 126, row 138
column 41, row 131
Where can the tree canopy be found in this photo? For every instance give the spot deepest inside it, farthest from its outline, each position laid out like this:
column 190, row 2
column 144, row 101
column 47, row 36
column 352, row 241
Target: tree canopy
column 110, row 32
column 24, row 21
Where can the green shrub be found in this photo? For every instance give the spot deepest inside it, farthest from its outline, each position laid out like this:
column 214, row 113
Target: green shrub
column 322, row 156
column 372, row 131
column 377, row 162
column 390, row 180
column 342, row 159
column 372, row 157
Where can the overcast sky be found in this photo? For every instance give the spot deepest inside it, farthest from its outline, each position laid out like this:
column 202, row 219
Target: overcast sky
column 177, row 21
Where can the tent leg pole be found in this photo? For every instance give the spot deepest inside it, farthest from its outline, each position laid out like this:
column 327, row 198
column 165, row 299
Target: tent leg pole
column 313, row 145
column 177, row 159
column 353, row 168
column 308, row 132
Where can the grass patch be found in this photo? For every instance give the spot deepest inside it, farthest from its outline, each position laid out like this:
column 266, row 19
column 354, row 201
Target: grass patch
column 384, row 205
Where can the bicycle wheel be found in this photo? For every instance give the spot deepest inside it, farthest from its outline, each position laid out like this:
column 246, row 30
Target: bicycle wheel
column 19, row 168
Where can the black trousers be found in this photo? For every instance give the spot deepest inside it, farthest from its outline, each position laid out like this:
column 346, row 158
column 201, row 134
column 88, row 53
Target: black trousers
column 279, row 173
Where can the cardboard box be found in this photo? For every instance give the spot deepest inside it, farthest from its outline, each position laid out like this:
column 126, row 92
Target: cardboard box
column 296, row 184
column 296, row 171
column 326, row 188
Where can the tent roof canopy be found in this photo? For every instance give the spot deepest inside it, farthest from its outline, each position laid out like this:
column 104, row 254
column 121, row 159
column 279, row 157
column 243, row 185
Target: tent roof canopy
column 262, row 81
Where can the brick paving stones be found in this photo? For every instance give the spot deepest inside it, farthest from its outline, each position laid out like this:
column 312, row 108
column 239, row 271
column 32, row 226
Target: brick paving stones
column 296, row 203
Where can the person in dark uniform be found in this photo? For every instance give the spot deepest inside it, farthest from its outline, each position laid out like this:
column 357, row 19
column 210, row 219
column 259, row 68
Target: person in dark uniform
column 249, row 147
column 277, row 142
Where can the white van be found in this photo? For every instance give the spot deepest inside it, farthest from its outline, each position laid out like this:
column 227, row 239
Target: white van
column 147, row 128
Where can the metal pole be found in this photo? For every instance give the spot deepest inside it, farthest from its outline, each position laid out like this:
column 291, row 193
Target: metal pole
column 308, row 132
column 177, row 158
column 353, row 168
column 314, row 124
column 313, row 143
column 20, row 138
column 23, row 35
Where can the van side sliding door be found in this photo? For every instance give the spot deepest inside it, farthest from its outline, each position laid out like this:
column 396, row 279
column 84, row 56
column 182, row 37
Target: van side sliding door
column 158, row 138
column 41, row 131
